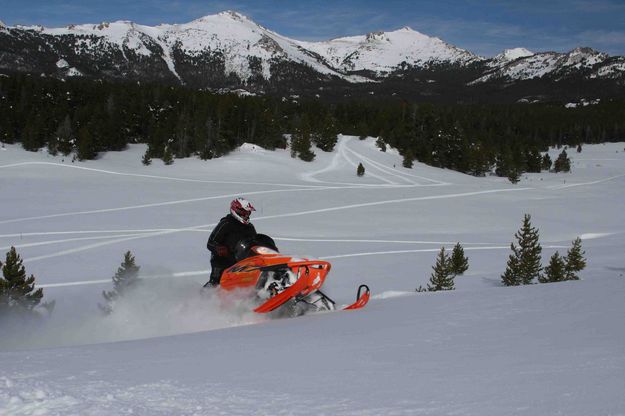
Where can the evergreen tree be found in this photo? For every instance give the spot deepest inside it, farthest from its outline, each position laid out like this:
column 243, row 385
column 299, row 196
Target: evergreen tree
column 408, row 159
column 360, row 170
column 511, row 276
column 546, row 162
column 442, row 277
column 459, row 263
column 146, row 159
column 85, row 144
column 574, row 260
column 381, row 144
column 17, row 292
column 326, row 140
column 555, row 271
column 62, row 140
column 300, row 141
column 562, row 163
column 533, row 160
column 514, row 176
column 524, row 262
column 127, row 277
column 168, row 157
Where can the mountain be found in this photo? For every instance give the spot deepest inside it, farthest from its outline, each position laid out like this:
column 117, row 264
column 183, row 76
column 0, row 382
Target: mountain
column 521, row 64
column 230, row 51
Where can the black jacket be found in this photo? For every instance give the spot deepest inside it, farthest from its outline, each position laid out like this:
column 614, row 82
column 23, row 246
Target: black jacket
column 227, row 233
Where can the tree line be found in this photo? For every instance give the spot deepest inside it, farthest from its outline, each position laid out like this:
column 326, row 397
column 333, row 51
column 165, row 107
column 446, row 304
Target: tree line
column 84, row 117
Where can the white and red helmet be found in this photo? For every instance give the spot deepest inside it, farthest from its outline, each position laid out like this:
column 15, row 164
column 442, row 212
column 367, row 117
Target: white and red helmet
column 241, row 209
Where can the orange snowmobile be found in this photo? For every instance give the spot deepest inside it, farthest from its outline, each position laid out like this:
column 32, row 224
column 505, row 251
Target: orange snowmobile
column 282, row 282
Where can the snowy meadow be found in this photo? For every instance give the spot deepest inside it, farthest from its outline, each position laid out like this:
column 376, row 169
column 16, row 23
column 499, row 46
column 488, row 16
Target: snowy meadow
column 169, row 348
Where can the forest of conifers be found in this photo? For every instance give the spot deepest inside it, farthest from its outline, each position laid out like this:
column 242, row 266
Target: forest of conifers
column 85, row 117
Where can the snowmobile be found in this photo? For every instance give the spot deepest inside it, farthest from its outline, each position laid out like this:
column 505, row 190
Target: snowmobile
column 280, row 282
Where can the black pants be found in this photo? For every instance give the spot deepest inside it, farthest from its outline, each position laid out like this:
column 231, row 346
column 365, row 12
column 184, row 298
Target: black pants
column 217, row 268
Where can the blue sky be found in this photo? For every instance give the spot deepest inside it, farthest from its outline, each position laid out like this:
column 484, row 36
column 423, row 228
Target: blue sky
column 484, row 27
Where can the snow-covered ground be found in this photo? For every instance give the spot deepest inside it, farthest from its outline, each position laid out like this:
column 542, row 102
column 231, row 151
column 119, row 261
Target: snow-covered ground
column 170, row 349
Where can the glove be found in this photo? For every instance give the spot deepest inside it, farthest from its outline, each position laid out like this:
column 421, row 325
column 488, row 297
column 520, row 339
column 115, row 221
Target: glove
column 222, row 251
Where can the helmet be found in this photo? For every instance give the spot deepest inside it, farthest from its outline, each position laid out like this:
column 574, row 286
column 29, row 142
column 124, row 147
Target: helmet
column 241, row 209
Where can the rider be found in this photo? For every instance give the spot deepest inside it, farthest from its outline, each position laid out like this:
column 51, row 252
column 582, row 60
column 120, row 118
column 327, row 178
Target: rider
column 231, row 229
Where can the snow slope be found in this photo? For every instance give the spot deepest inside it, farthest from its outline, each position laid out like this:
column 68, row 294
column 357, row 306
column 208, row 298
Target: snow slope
column 169, row 349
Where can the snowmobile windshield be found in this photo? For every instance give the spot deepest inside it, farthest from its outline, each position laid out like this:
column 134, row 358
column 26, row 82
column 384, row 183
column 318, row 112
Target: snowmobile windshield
column 243, row 249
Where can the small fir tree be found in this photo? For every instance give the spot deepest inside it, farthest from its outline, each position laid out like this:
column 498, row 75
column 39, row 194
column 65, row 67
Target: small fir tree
column 574, row 260
column 168, row 156
column 555, row 271
column 442, row 277
column 381, row 144
column 127, row 277
column 146, row 160
column 459, row 263
column 510, row 277
column 408, row 159
column 524, row 262
column 360, row 170
column 546, row 162
column 514, row 176
column 17, row 292
column 562, row 163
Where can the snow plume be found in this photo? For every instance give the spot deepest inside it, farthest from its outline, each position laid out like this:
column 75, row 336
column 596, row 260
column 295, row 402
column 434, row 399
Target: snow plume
column 155, row 307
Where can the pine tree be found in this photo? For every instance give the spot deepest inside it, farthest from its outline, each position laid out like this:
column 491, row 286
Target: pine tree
column 408, row 159
column 459, row 263
column 17, row 292
column 574, row 260
column 562, row 163
column 328, row 137
column 360, row 170
column 555, row 271
column 85, row 145
column 146, row 159
column 381, row 144
column 300, row 141
column 127, row 277
column 514, row 176
column 546, row 162
column 168, row 157
column 510, row 277
column 442, row 277
column 524, row 262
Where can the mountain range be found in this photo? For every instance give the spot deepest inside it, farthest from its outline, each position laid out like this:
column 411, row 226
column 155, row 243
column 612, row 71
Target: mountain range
column 230, row 52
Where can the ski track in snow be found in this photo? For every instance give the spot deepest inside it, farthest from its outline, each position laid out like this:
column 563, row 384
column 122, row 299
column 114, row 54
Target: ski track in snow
column 167, row 178
column 293, row 214
column 573, row 185
column 396, row 172
column 166, row 203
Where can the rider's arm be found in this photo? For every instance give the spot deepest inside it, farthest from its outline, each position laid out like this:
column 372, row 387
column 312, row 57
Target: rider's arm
column 217, row 237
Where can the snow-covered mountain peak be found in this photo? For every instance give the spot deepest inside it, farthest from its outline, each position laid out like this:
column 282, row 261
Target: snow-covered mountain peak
column 2, row 25
column 234, row 15
column 382, row 52
column 513, row 54
column 376, row 37
column 222, row 17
